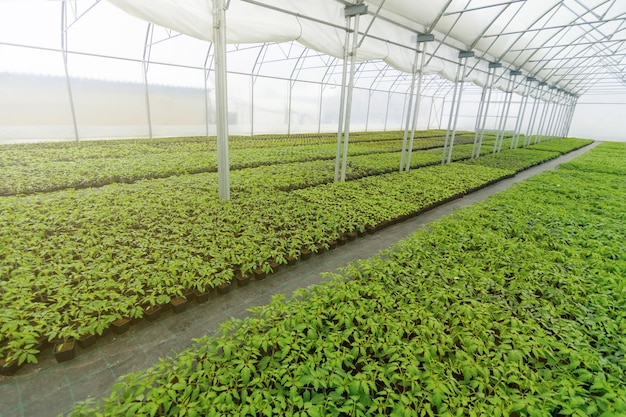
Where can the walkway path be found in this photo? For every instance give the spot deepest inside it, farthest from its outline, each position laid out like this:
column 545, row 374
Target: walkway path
column 47, row 388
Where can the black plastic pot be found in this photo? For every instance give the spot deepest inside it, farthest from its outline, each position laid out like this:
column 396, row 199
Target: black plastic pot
column 65, row 350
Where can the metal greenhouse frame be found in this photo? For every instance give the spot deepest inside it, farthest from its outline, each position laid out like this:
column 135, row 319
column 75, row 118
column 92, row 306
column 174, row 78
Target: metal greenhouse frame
column 334, row 66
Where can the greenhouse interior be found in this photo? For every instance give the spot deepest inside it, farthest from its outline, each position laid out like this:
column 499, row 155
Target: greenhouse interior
column 312, row 208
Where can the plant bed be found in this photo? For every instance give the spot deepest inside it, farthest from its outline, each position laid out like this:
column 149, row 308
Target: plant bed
column 64, row 350
column 305, row 254
column 453, row 305
column 319, row 210
column 152, row 312
column 120, row 326
column 87, row 340
column 178, row 304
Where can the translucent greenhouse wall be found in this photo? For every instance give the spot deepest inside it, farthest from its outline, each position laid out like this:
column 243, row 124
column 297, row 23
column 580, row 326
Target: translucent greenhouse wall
column 141, row 80
column 37, row 108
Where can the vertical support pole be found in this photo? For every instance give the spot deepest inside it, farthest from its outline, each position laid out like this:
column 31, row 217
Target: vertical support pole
column 459, row 68
column 443, row 107
column 566, row 111
column 403, row 109
column 291, row 84
column 566, row 101
column 342, row 104
column 206, row 103
column 387, row 110
column 559, row 116
column 418, row 103
column 505, row 114
column 64, row 27
column 430, row 112
column 409, row 112
column 568, row 106
column 531, row 122
column 520, row 115
column 571, row 115
column 207, row 71
column 570, row 111
column 479, row 115
column 550, row 121
column 507, row 108
column 452, row 122
column 367, row 116
column 483, row 111
column 221, row 98
column 349, row 99
column 252, row 82
column 145, row 62
column 319, row 119
column 544, row 116
column 476, row 150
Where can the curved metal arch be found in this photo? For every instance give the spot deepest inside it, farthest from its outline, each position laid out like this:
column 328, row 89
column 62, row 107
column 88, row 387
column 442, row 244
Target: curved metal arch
column 447, row 34
column 478, row 38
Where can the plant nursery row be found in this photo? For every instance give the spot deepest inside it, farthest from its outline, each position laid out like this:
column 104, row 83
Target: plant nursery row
column 510, row 307
column 34, row 168
column 33, row 153
column 76, row 262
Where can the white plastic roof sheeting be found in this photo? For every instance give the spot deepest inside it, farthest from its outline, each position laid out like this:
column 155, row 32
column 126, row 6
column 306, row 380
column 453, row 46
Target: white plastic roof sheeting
column 571, row 44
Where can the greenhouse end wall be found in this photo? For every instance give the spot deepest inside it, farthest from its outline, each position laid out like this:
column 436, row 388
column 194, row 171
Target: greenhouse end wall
column 37, row 108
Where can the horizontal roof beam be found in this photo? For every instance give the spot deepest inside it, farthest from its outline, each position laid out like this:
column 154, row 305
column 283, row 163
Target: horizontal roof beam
column 518, row 32
column 598, row 55
column 545, row 46
column 482, row 7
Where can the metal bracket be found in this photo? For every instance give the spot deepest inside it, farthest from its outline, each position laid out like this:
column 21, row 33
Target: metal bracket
column 542, row 83
column 427, row 37
column 495, row 65
column 466, row 54
column 357, row 9
column 531, row 79
column 516, row 72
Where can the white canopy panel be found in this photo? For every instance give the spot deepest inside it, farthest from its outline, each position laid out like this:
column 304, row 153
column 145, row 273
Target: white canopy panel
column 570, row 44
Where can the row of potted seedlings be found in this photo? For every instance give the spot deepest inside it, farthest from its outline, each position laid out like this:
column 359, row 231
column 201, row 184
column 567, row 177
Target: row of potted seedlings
column 510, row 307
column 121, row 273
